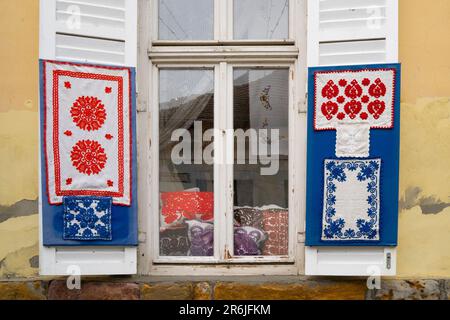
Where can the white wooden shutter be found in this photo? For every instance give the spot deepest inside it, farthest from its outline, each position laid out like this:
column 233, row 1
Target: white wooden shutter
column 92, row 31
column 344, row 32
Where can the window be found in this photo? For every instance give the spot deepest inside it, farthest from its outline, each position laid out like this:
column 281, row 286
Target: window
column 224, row 110
column 219, row 20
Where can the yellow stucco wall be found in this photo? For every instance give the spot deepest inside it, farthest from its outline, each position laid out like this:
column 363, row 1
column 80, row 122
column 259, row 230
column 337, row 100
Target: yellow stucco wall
column 424, row 239
column 19, row 31
column 424, row 224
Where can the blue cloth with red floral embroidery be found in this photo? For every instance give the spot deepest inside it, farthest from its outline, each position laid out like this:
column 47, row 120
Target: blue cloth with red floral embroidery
column 87, row 218
column 353, row 155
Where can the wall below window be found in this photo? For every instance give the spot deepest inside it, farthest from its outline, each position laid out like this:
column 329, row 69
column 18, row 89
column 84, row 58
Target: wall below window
column 425, row 152
column 257, row 289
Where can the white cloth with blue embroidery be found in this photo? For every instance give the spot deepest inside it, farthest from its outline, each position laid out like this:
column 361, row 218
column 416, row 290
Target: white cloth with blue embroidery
column 351, row 210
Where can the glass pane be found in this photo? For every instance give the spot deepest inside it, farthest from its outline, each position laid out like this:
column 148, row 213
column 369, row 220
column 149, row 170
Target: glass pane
column 186, row 111
column 186, row 20
column 261, row 19
column 261, row 105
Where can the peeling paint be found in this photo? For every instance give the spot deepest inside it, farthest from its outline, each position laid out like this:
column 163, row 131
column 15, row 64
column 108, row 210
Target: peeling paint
column 34, row 262
column 22, row 208
column 428, row 204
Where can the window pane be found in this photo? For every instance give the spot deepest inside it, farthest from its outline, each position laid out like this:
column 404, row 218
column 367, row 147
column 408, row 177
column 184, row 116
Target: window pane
column 261, row 19
column 261, row 105
column 186, row 20
column 185, row 181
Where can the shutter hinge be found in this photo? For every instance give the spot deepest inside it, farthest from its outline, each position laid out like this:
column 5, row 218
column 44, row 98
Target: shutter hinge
column 301, row 237
column 302, row 105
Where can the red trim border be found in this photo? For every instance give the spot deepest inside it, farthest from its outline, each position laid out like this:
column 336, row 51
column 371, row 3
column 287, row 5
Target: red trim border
column 316, row 73
column 120, row 80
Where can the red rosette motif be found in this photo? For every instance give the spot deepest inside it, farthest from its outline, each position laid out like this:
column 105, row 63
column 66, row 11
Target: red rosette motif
column 330, row 90
column 88, row 157
column 88, row 113
column 353, row 90
column 378, row 89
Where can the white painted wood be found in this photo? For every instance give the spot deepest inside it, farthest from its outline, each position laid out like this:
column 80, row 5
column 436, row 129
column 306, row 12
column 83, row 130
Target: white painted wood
column 223, row 54
column 351, row 261
column 107, row 35
column 352, row 31
column 342, row 32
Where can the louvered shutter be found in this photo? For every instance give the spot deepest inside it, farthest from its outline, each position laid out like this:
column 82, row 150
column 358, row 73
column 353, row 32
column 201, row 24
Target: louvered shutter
column 345, row 32
column 91, row 31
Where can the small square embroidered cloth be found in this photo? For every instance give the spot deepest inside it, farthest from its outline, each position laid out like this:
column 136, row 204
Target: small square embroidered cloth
column 351, row 203
column 353, row 140
column 87, row 131
column 87, row 218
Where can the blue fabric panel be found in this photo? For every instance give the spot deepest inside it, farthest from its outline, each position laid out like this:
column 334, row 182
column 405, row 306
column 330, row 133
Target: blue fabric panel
column 384, row 144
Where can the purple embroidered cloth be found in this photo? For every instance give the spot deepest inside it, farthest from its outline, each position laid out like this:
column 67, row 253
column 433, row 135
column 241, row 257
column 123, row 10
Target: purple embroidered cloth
column 247, row 241
column 202, row 238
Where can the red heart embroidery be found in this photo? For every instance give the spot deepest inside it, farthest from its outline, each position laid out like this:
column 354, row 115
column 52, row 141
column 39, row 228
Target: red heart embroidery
column 330, row 90
column 378, row 89
column 329, row 109
column 352, row 108
column 376, row 108
column 353, row 90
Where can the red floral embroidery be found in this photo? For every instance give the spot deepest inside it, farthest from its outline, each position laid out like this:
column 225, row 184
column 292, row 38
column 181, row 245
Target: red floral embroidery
column 353, row 90
column 330, row 90
column 88, row 157
column 108, row 90
column 364, row 116
column 68, row 133
column 67, row 85
column 88, row 113
column 188, row 205
column 329, row 109
column 108, row 136
column 365, row 99
column 366, row 82
column 69, row 181
column 110, row 183
column 378, row 89
column 342, row 82
column 341, row 116
column 353, row 108
column 340, row 99
column 376, row 108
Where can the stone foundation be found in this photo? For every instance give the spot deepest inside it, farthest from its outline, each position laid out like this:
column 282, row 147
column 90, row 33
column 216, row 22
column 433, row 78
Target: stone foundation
column 227, row 290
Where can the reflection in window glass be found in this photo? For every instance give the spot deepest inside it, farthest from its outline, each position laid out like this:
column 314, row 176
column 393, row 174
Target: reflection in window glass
column 186, row 20
column 261, row 104
column 261, row 19
column 186, row 182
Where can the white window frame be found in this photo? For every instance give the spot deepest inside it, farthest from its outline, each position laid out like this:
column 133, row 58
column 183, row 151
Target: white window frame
column 223, row 26
column 222, row 54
